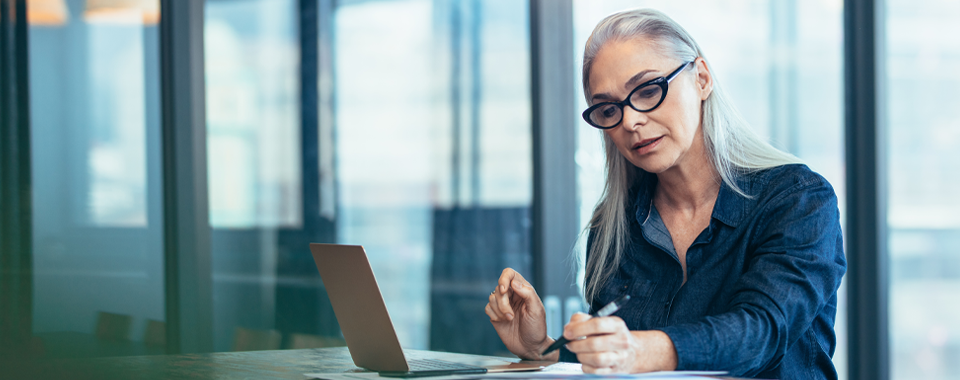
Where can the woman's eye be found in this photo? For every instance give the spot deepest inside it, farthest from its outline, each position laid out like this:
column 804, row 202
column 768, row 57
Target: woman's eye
column 608, row 111
column 649, row 92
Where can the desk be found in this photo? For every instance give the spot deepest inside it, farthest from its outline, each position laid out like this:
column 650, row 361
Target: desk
column 278, row 364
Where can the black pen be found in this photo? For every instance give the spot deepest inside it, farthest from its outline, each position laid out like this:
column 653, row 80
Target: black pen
column 603, row 312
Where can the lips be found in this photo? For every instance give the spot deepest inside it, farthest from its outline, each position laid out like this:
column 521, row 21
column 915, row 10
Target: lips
column 646, row 145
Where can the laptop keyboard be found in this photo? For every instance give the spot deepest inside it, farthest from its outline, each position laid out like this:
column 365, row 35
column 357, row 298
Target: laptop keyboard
column 417, row 365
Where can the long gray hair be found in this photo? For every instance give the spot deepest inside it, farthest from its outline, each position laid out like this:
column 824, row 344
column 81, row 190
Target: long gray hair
column 732, row 146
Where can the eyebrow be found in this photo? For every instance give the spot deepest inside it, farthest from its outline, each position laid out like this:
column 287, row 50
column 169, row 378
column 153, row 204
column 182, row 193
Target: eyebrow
column 634, row 81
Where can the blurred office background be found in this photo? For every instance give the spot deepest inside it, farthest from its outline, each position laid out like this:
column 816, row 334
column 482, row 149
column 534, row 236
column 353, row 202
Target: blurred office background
column 408, row 127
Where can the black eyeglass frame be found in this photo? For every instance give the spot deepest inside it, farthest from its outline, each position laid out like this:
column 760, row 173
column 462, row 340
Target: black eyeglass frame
column 661, row 81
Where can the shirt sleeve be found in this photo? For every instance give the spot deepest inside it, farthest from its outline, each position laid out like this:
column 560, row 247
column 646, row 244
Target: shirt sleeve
column 793, row 272
column 568, row 357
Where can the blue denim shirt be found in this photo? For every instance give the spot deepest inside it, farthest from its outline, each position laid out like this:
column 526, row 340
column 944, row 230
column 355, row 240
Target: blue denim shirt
column 761, row 292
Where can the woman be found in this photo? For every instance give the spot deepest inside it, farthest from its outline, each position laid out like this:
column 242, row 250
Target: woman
column 730, row 249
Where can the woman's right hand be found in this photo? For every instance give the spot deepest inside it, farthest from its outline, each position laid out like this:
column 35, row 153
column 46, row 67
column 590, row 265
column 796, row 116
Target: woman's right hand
column 516, row 312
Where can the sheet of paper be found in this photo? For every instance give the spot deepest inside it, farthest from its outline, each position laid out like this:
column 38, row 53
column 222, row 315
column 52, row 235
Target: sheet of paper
column 561, row 371
column 669, row 375
column 368, row 376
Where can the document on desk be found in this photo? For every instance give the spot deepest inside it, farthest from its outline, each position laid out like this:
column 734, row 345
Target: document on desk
column 666, row 375
column 559, row 371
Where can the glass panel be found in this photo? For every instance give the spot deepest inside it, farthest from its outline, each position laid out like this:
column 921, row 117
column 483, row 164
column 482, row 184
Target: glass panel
column 252, row 63
column 98, row 238
column 253, row 117
column 434, row 158
column 425, row 124
column 923, row 132
column 779, row 61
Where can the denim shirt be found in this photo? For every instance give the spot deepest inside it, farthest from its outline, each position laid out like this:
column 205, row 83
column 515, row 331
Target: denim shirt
column 761, row 293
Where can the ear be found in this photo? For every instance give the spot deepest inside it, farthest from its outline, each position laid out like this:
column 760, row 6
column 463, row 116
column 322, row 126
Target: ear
column 704, row 78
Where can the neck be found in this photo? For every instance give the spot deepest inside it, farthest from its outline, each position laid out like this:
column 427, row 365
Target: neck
column 690, row 185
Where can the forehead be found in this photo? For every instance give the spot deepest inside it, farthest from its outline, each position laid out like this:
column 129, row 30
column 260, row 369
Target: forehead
column 619, row 60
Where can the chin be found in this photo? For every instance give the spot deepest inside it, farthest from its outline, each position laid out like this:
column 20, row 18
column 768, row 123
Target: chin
column 651, row 165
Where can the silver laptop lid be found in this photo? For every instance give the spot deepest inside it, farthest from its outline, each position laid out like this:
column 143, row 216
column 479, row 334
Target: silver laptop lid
column 359, row 307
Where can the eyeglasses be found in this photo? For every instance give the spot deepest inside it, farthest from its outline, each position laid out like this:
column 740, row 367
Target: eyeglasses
column 644, row 98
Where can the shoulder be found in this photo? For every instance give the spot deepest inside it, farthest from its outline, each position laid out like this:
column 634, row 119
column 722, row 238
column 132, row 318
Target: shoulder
column 791, row 195
column 778, row 192
column 784, row 181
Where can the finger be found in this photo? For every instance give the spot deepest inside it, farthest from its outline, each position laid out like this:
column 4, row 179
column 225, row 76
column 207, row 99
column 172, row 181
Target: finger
column 579, row 327
column 525, row 291
column 494, row 304
column 503, row 284
column 503, row 304
column 518, row 276
column 605, row 359
column 587, row 368
column 591, row 344
column 601, row 343
column 575, row 319
column 603, row 370
column 490, row 313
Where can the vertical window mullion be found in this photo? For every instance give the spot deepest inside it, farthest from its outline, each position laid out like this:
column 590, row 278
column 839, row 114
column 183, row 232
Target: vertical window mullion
column 187, row 256
column 866, row 215
column 554, row 211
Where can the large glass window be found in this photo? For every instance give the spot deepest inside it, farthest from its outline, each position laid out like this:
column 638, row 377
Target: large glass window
column 252, row 64
column 433, row 140
column 781, row 63
column 923, row 220
column 253, row 119
column 97, row 223
column 417, row 147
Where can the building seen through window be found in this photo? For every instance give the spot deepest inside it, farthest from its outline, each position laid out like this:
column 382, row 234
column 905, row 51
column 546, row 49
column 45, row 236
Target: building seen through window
column 421, row 136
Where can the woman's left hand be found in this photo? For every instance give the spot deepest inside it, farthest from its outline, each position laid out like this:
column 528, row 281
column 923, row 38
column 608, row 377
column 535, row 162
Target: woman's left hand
column 606, row 345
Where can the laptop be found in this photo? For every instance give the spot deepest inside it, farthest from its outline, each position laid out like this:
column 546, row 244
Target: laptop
column 367, row 328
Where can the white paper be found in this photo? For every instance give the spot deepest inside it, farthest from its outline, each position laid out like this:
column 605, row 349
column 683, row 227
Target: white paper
column 666, row 375
column 565, row 371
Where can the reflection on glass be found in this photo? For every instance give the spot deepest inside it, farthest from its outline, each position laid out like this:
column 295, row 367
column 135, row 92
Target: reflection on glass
column 923, row 131
column 98, row 249
column 434, row 170
column 781, row 63
column 425, row 122
column 253, row 118
column 252, row 65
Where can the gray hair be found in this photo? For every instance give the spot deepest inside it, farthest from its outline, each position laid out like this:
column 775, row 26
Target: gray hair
column 732, row 146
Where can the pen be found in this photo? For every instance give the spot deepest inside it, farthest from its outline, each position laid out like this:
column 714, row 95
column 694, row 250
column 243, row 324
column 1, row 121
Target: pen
column 603, row 312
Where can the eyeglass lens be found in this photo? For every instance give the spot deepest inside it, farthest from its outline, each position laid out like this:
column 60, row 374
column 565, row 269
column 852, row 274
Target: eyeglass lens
column 643, row 99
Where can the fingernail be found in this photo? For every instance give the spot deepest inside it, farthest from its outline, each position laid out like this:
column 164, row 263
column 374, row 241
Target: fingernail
column 503, row 288
column 510, row 316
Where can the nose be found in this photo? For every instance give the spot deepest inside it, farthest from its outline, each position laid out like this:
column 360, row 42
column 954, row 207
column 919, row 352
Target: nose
column 633, row 119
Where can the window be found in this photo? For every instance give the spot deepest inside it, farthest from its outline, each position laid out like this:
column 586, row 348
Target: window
column 95, row 130
column 923, row 220
column 417, row 147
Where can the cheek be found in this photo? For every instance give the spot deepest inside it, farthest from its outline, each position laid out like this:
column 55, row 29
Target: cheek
column 688, row 115
column 619, row 139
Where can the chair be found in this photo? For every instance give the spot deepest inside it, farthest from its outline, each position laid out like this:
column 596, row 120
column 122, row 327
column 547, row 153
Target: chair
column 245, row 339
column 298, row 341
column 112, row 326
column 155, row 334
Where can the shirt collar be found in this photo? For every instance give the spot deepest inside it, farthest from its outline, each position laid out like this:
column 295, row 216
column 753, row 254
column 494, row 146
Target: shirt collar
column 729, row 209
